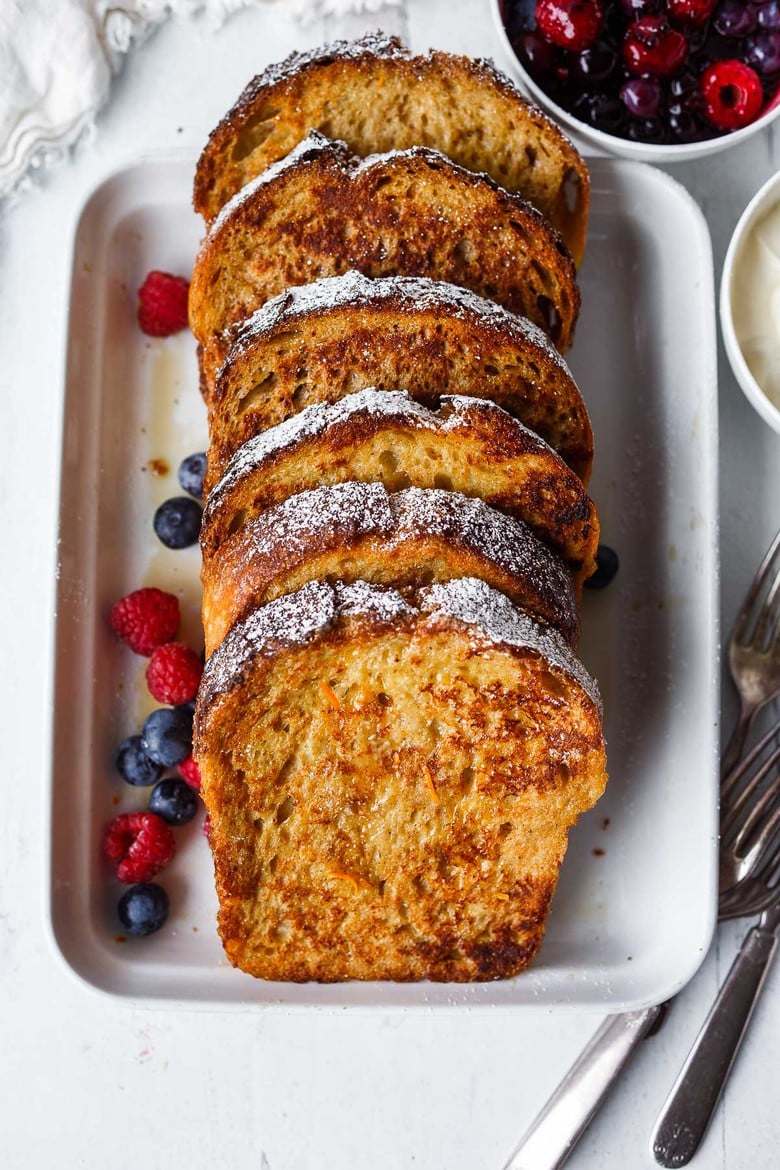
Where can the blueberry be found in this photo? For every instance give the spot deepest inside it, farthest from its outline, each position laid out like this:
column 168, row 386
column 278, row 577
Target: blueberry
column 607, row 564
column 595, row 64
column 134, row 765
column 647, row 130
column 177, row 522
column 191, row 473
column 762, row 53
column 167, row 735
column 734, row 18
column 174, row 801
column 641, row 97
column 143, row 908
column 769, row 15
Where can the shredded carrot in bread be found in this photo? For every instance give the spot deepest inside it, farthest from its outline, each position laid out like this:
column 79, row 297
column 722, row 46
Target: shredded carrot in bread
column 431, row 785
column 356, row 879
column 330, row 695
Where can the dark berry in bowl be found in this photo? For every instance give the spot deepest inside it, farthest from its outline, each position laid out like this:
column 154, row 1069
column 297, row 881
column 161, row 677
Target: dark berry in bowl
column 768, row 16
column 734, row 18
column 647, row 130
column 143, row 908
column 732, row 94
column 654, row 48
column 134, row 765
column 174, row 800
column 607, row 565
column 594, row 65
column 570, row 24
column 762, row 53
column 636, row 9
column 191, row 473
column 684, row 126
column 177, row 522
column 167, row 735
column 538, row 56
column 642, row 97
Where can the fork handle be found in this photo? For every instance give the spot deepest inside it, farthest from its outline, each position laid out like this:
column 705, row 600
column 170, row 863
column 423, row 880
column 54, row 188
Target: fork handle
column 563, row 1120
column 689, row 1107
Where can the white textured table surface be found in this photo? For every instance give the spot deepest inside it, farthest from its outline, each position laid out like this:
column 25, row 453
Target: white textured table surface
column 86, row 1081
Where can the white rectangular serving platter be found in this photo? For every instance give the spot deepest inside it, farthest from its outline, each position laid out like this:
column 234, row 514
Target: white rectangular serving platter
column 635, row 907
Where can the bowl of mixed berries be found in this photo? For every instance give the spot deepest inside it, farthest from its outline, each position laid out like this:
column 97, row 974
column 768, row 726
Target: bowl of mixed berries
column 661, row 80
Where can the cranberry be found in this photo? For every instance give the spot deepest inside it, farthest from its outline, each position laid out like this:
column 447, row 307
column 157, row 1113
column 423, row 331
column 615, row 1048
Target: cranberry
column 734, row 18
column 641, row 97
column 653, row 47
column 733, row 95
column 570, row 24
column 762, row 53
column 690, row 12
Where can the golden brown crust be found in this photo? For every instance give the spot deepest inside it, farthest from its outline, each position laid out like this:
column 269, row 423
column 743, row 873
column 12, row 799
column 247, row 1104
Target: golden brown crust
column 468, row 445
column 359, row 531
column 390, row 792
column 322, row 212
column 375, row 96
column 319, row 343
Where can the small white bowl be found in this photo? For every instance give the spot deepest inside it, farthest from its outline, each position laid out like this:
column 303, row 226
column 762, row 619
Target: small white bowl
column 611, row 143
column 761, row 203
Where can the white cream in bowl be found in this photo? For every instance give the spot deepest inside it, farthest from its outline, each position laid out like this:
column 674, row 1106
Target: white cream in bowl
column 750, row 302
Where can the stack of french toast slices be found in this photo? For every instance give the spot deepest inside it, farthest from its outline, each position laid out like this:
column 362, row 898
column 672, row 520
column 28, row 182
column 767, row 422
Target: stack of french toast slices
column 394, row 733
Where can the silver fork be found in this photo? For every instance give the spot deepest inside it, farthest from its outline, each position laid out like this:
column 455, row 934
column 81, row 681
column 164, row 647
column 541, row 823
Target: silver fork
column 750, row 884
column 753, row 665
column 756, row 675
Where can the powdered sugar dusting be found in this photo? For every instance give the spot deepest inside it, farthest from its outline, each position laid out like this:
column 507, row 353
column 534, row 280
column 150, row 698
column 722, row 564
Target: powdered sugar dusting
column 344, row 514
column 385, row 407
column 377, row 44
column 497, row 620
column 294, row 620
column 303, row 616
column 411, row 294
column 310, row 147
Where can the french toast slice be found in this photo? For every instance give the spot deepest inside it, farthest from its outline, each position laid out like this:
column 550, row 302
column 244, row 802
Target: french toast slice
column 360, row 531
column 318, row 342
column 321, row 211
column 375, row 96
column 467, row 445
column 391, row 781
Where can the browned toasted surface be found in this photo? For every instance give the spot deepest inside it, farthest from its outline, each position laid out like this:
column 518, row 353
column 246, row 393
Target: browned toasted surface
column 467, row 445
column 322, row 211
column 317, row 343
column 390, row 783
column 375, row 96
column 360, row 531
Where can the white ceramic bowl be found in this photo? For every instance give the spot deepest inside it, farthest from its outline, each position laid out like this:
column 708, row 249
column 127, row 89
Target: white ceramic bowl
column 611, row 143
column 760, row 204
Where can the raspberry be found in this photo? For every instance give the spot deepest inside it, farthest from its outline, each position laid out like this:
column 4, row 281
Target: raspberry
column 206, row 828
column 145, row 619
column 652, row 47
column 690, row 12
column 140, row 845
column 732, row 93
column 173, row 673
column 162, row 304
column 570, row 24
column 189, row 771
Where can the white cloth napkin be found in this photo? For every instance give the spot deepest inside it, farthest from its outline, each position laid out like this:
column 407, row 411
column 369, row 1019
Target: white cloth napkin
column 57, row 59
